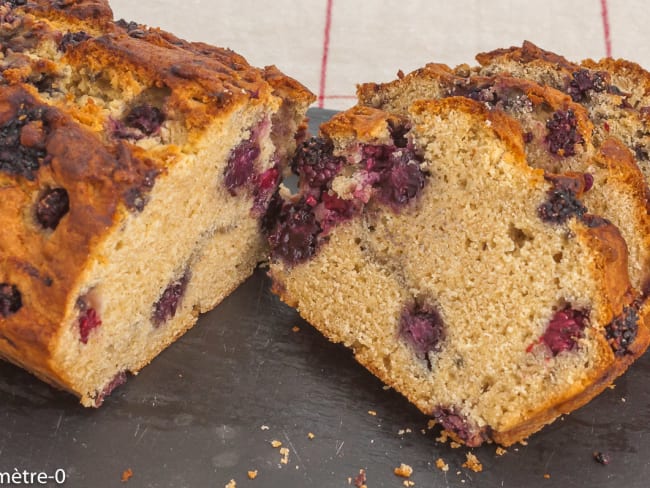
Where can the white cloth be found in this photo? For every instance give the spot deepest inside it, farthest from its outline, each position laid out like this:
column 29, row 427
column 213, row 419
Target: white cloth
column 370, row 40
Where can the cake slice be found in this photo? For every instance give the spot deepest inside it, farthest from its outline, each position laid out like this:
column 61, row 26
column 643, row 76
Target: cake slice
column 558, row 137
column 479, row 286
column 614, row 91
column 135, row 169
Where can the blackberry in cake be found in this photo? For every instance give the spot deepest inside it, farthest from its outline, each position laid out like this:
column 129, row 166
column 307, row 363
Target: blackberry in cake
column 135, row 168
column 479, row 285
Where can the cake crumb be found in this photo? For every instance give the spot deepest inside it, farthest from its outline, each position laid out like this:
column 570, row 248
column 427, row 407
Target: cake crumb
column 359, row 480
column 126, row 475
column 276, row 443
column 285, row 455
column 454, row 445
column 408, row 483
column 500, row 451
column 310, row 435
column 473, row 463
column 231, row 484
column 547, row 476
column 264, row 427
column 523, row 442
column 602, row 458
column 404, row 470
column 295, row 328
column 431, row 424
column 442, row 465
column 372, row 412
column 252, row 474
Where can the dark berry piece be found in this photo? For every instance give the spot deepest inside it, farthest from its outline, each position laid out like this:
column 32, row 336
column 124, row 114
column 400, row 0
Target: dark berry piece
column 14, row 3
column 10, row 299
column 589, row 182
column 315, row 163
column 88, row 321
column 422, row 328
column 458, row 424
column 485, row 93
column 118, row 380
column 360, row 479
column 602, row 458
column 241, row 165
column 272, row 214
column 594, row 221
column 585, row 81
column 265, row 185
column 398, row 177
column 398, row 133
column 528, row 137
column 71, row 39
column 51, row 207
column 563, row 133
column 146, row 118
column 334, row 210
column 166, row 306
column 641, row 153
column 561, row 205
column 564, row 330
column 22, row 153
column 294, row 237
column 622, row 331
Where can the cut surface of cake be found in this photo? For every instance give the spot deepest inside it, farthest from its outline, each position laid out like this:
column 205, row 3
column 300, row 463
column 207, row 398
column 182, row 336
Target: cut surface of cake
column 135, row 169
column 480, row 286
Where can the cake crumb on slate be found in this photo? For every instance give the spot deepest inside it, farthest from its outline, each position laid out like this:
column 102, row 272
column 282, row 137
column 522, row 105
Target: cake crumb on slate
column 473, row 463
column 231, row 484
column 126, row 475
column 252, row 474
column 442, row 465
column 403, row 470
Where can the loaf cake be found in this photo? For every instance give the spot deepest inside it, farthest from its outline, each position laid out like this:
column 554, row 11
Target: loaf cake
column 479, row 285
column 558, row 137
column 135, row 170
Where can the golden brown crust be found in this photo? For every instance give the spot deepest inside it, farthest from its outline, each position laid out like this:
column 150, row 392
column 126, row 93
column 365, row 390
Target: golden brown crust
column 527, row 53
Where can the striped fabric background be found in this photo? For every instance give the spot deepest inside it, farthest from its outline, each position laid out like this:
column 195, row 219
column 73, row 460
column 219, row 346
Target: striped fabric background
column 331, row 45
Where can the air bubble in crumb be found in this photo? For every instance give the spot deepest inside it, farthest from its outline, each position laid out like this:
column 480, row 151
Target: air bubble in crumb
column 473, row 463
column 252, row 474
column 276, row 443
column 403, row 470
column 285, row 455
column 231, row 484
column 442, row 465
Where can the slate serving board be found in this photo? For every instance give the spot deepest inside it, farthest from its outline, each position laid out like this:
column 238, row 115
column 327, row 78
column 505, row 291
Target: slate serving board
column 206, row 410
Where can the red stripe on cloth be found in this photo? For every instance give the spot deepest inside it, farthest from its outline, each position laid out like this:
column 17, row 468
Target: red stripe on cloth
column 341, row 97
column 326, row 49
column 608, row 39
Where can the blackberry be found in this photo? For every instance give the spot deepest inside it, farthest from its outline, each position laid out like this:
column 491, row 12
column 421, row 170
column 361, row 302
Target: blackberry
column 71, row 39
column 563, row 133
column 294, row 237
column 166, row 306
column 451, row 420
column 10, row 299
column 584, row 81
column 560, row 206
column 564, row 330
column 622, row 331
column 240, row 169
column 422, row 328
column 315, row 163
column 22, row 154
column 146, row 118
column 51, row 207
